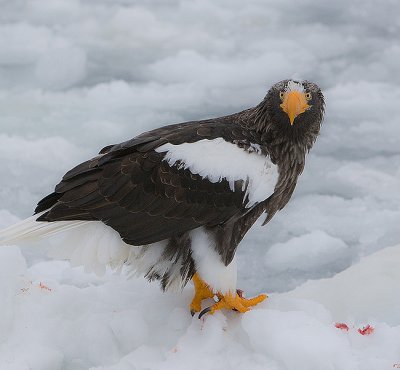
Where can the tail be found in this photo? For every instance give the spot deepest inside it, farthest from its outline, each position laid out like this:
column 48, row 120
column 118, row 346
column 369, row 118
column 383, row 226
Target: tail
column 89, row 243
column 30, row 230
column 95, row 245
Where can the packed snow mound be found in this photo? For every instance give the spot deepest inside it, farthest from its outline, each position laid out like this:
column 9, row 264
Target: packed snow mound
column 364, row 292
column 55, row 317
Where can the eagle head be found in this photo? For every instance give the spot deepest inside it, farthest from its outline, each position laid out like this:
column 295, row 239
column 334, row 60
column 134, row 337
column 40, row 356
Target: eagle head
column 292, row 108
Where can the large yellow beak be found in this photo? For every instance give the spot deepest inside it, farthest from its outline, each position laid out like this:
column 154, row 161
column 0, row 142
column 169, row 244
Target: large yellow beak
column 294, row 103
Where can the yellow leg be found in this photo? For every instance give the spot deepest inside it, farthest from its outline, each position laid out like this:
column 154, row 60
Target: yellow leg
column 229, row 301
column 201, row 291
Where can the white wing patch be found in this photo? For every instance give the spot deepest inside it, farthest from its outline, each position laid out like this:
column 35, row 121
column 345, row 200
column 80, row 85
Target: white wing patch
column 218, row 159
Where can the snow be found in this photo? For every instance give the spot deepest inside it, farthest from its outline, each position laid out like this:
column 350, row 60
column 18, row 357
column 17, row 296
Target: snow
column 321, row 249
column 218, row 159
column 364, row 288
column 76, row 76
column 58, row 317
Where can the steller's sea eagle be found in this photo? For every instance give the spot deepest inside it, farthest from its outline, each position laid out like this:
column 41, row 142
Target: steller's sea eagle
column 175, row 202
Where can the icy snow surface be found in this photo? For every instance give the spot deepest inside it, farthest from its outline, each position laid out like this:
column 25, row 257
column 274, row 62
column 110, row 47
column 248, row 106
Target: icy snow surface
column 75, row 76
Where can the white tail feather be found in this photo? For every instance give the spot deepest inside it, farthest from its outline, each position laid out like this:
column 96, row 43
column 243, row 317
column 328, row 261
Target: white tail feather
column 29, row 230
column 95, row 246
column 89, row 243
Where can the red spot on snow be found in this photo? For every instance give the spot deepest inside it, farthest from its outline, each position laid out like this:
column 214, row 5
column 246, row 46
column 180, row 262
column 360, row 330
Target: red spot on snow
column 366, row 330
column 43, row 286
column 342, row 326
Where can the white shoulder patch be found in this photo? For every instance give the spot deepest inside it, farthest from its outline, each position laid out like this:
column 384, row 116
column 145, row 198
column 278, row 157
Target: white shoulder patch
column 218, row 159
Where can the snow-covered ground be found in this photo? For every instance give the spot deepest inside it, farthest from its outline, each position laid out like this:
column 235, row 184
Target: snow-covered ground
column 78, row 75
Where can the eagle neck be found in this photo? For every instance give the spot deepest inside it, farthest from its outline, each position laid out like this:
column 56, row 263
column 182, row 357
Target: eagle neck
column 284, row 146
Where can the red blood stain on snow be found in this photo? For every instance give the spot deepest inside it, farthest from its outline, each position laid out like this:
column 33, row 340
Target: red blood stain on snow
column 342, row 326
column 43, row 286
column 366, row 330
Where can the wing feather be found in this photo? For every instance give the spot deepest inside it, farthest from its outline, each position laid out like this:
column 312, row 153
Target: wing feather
column 134, row 190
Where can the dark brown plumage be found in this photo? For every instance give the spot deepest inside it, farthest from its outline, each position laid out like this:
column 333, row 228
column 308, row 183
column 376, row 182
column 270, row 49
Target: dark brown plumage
column 131, row 188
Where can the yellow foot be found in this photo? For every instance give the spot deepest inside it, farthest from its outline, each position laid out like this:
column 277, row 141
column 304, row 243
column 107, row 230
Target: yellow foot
column 234, row 301
column 228, row 301
column 201, row 291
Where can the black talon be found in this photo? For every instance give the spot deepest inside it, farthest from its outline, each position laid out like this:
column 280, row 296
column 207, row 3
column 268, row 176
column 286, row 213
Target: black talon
column 206, row 310
column 192, row 312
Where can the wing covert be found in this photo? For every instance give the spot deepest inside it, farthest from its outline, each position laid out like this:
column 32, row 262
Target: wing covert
column 145, row 199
